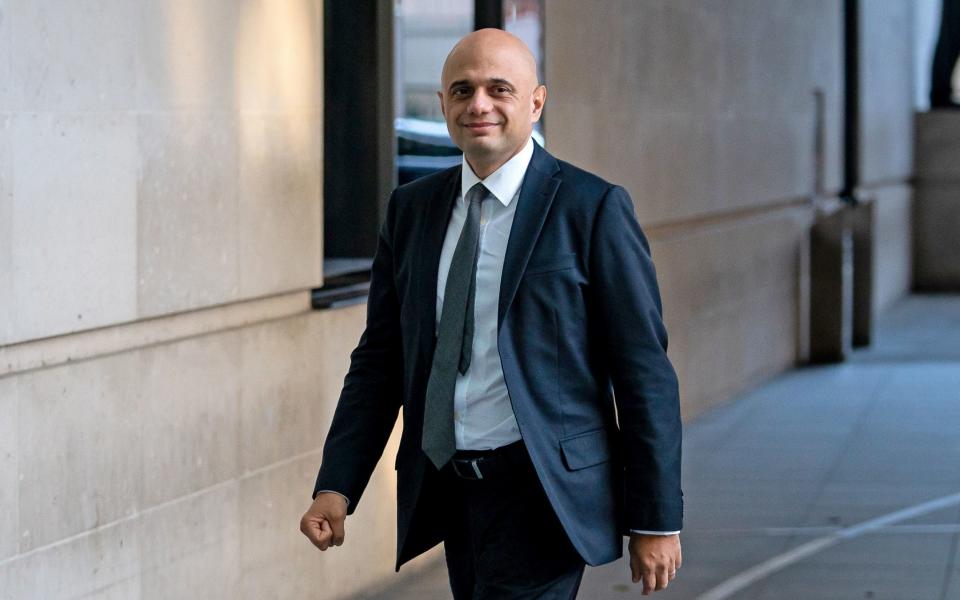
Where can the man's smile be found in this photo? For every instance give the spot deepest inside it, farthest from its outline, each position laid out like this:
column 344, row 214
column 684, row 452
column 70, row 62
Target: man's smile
column 480, row 126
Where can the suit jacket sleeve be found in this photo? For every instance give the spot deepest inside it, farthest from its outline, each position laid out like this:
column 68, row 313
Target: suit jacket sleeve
column 645, row 386
column 373, row 387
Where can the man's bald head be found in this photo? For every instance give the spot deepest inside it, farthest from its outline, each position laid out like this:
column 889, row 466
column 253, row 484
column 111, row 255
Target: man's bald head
column 481, row 44
column 490, row 97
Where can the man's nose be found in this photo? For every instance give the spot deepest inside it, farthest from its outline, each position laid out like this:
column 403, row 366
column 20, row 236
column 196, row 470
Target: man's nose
column 480, row 103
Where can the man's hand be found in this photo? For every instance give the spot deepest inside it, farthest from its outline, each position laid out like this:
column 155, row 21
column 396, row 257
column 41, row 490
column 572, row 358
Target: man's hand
column 655, row 559
column 323, row 521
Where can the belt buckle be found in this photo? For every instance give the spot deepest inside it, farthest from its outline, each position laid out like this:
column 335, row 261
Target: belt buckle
column 473, row 465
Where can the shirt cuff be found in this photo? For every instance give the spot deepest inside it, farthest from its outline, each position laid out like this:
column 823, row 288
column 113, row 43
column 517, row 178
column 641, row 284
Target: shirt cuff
column 332, row 492
column 644, row 531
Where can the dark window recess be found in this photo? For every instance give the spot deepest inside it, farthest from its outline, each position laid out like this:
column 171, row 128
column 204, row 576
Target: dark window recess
column 358, row 169
column 488, row 13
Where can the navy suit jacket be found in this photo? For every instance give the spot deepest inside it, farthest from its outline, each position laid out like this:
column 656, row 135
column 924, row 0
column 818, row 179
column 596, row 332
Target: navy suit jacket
column 582, row 346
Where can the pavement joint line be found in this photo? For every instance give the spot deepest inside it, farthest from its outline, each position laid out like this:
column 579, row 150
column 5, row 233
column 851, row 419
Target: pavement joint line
column 762, row 570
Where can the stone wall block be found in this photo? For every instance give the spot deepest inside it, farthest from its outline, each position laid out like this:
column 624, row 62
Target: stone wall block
column 277, row 561
column 730, row 302
column 6, row 224
column 886, row 92
column 73, row 233
column 190, row 416
column 9, row 469
column 6, row 34
column 104, row 564
column 280, row 212
column 763, row 157
column 862, row 219
column 72, row 56
column 186, row 55
column 289, row 77
column 892, row 244
column 284, row 410
column 79, row 450
column 192, row 546
column 187, row 212
column 699, row 108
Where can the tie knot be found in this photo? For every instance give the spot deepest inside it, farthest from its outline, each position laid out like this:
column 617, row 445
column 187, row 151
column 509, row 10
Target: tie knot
column 478, row 193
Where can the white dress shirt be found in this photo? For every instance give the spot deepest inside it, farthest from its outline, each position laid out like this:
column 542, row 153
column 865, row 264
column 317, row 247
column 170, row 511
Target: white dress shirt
column 482, row 414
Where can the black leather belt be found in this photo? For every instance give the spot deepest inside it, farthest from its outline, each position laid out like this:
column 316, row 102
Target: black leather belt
column 488, row 464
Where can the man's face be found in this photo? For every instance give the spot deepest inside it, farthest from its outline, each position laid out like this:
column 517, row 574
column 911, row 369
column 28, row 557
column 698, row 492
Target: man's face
column 490, row 100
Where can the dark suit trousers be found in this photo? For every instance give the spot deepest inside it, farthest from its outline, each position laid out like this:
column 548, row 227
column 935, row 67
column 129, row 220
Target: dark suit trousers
column 503, row 539
column 946, row 54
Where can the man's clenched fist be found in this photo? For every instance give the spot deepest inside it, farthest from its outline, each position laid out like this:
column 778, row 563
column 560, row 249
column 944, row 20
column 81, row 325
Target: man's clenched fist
column 323, row 521
column 654, row 559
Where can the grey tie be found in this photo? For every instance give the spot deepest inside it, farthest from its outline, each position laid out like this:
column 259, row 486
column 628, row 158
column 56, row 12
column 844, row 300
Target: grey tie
column 454, row 337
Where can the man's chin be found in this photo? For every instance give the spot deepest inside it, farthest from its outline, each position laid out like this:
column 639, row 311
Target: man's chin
column 482, row 147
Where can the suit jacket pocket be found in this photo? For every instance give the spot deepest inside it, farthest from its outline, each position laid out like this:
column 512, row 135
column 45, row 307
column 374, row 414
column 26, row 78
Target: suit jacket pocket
column 585, row 449
column 551, row 264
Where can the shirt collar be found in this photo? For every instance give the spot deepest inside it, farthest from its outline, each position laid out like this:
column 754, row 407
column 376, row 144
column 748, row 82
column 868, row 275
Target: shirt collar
column 505, row 181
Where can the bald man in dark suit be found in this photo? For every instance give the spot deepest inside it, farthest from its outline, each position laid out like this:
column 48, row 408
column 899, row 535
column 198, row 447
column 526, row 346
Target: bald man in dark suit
column 515, row 317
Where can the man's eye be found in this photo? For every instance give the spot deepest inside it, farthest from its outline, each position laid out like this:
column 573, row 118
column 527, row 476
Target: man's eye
column 460, row 91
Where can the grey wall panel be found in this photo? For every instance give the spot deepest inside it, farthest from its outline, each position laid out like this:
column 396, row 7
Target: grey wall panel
column 155, row 157
column 893, row 244
column 696, row 107
column 732, row 301
column 886, row 91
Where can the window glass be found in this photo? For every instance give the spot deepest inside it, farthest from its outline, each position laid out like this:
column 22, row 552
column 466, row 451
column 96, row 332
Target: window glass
column 524, row 19
column 426, row 31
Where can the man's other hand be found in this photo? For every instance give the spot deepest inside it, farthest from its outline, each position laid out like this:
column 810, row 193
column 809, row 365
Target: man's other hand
column 654, row 559
column 323, row 521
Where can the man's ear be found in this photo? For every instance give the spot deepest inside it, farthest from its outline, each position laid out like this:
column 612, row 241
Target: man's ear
column 443, row 110
column 539, row 98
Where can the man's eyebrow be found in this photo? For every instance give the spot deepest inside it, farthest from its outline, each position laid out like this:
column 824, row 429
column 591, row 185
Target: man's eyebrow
column 492, row 80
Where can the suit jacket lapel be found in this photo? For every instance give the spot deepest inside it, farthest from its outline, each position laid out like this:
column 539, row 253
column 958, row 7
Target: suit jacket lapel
column 536, row 196
column 434, row 230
